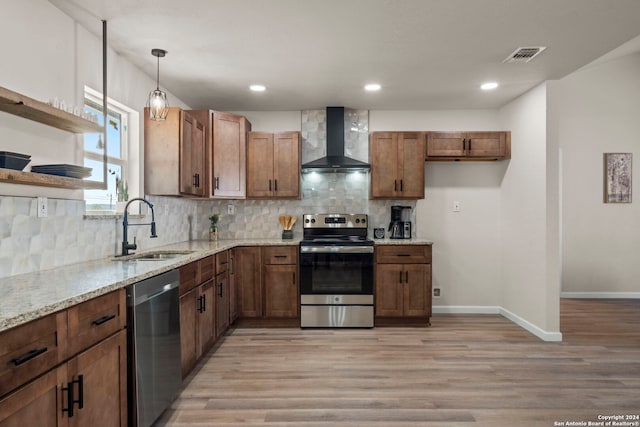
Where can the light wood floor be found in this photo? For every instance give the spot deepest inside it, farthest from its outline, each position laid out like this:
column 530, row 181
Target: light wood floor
column 465, row 370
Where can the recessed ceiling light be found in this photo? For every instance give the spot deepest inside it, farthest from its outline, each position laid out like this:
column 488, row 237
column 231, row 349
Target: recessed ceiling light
column 258, row 88
column 489, row 86
column 372, row 87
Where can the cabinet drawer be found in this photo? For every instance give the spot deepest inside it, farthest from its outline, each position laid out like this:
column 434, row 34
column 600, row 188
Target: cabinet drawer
column 95, row 320
column 188, row 277
column 207, row 267
column 222, row 262
column 403, row 254
column 29, row 350
column 280, row 254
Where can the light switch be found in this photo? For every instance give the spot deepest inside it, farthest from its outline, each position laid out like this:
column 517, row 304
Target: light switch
column 231, row 210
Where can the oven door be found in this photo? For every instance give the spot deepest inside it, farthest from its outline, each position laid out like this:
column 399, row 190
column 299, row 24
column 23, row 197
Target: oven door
column 336, row 270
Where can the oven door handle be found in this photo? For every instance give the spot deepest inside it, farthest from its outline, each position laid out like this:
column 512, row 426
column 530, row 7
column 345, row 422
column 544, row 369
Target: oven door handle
column 337, row 249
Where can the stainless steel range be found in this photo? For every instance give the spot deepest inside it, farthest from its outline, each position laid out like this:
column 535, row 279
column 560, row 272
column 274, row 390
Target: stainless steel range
column 336, row 272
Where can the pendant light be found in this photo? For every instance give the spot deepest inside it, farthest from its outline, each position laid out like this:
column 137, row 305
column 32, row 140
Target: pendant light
column 157, row 103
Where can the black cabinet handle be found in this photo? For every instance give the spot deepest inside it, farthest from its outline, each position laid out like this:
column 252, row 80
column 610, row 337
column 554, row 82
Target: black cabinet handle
column 406, row 276
column 220, row 289
column 469, row 144
column 204, row 302
column 279, row 256
column 401, row 277
column 80, row 382
column 401, row 189
column 200, row 309
column 403, row 255
column 217, row 183
column 275, row 185
column 103, row 319
column 395, row 185
column 196, row 180
column 269, row 185
column 69, row 408
column 33, row 353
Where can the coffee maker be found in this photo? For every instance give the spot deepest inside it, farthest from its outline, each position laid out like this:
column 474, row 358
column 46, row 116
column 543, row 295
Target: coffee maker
column 400, row 225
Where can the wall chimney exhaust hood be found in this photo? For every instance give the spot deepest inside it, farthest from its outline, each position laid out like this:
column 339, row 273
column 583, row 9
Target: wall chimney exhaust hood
column 335, row 160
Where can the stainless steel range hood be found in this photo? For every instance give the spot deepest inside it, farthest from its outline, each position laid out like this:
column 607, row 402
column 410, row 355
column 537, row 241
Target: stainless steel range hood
column 335, row 160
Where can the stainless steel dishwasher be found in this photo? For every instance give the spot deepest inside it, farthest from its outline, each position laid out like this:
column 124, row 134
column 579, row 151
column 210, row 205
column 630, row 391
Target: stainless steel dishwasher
column 154, row 366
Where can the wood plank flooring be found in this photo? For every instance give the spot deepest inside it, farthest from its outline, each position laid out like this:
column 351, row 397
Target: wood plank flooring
column 465, row 370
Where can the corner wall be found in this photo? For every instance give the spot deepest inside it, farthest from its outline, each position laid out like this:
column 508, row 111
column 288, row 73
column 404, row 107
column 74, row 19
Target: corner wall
column 530, row 275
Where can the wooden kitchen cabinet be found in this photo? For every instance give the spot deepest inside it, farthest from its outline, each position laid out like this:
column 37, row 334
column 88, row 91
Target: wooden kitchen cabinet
column 233, row 290
column 280, row 273
column 468, row 145
column 197, row 311
column 248, row 281
column 222, row 302
column 97, row 374
column 174, row 152
column 273, row 165
column 403, row 285
column 397, row 165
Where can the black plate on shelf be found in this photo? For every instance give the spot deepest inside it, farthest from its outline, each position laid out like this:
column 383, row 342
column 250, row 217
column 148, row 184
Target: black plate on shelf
column 70, row 171
column 15, row 161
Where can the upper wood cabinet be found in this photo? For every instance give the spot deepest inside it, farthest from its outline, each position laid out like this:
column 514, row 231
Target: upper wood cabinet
column 174, row 154
column 468, row 145
column 273, row 165
column 397, row 165
column 225, row 153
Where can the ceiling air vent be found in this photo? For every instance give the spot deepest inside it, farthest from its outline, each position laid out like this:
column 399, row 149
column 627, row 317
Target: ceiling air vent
column 524, row 54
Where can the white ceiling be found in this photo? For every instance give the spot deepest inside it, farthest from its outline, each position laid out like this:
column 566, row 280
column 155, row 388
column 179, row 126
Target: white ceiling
column 426, row 54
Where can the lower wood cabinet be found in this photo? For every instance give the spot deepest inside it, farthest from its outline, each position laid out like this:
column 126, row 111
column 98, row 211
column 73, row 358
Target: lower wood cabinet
column 248, row 281
column 222, row 302
column 403, row 284
column 197, row 311
column 88, row 390
column 280, row 278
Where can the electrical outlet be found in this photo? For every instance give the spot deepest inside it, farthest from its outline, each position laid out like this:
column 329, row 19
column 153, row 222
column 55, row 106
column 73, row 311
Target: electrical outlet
column 436, row 292
column 456, row 206
column 231, row 209
column 43, row 209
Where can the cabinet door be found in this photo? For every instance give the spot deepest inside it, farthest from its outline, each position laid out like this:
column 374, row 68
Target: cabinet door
column 281, row 291
column 446, row 144
column 36, row 404
column 389, row 291
column 198, row 143
column 186, row 142
column 188, row 338
column 100, row 374
column 229, row 155
column 383, row 152
column 286, row 165
column 222, row 303
column 486, row 144
column 411, row 156
column 162, row 153
column 205, row 306
column 233, row 292
column 249, row 281
column 260, row 181
column 417, row 290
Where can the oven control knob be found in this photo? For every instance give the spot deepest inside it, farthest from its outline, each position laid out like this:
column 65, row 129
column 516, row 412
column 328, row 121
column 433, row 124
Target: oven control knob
column 313, row 221
column 357, row 220
column 306, row 221
column 363, row 220
column 337, row 299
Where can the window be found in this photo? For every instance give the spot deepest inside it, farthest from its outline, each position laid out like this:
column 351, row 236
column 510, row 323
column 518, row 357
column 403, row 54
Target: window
column 121, row 155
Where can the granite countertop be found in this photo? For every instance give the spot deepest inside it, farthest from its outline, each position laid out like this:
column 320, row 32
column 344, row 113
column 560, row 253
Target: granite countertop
column 29, row 296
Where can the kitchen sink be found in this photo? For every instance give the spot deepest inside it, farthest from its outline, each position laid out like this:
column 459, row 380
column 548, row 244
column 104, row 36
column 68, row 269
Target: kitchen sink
column 153, row 256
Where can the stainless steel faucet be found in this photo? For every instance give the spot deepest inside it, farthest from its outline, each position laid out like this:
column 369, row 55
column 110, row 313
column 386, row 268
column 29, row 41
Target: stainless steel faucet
column 126, row 246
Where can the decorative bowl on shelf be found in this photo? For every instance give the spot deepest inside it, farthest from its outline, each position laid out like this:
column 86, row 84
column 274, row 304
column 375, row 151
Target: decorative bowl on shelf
column 15, row 161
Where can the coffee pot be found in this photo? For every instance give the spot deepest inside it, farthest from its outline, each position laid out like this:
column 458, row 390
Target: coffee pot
column 400, row 225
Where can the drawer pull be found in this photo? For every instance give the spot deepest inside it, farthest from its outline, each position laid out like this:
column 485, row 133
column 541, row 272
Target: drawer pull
column 33, row 353
column 70, row 401
column 280, row 256
column 403, row 255
column 80, row 401
column 103, row 319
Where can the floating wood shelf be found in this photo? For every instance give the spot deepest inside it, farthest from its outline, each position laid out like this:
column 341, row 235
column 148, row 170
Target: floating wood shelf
column 29, row 108
column 28, row 178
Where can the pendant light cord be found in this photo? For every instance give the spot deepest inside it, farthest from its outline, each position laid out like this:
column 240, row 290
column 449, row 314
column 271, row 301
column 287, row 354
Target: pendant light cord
column 158, row 74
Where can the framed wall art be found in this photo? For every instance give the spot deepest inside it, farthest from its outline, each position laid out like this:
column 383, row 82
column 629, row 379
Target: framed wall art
column 617, row 177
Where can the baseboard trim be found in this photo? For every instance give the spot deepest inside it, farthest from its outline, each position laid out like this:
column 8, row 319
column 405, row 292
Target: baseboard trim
column 601, row 295
column 524, row 324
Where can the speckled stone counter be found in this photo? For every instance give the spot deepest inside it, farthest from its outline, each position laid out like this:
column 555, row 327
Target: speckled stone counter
column 30, row 296
column 403, row 242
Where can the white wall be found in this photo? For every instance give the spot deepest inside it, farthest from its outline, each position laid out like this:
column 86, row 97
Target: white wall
column 46, row 55
column 599, row 112
column 530, row 277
